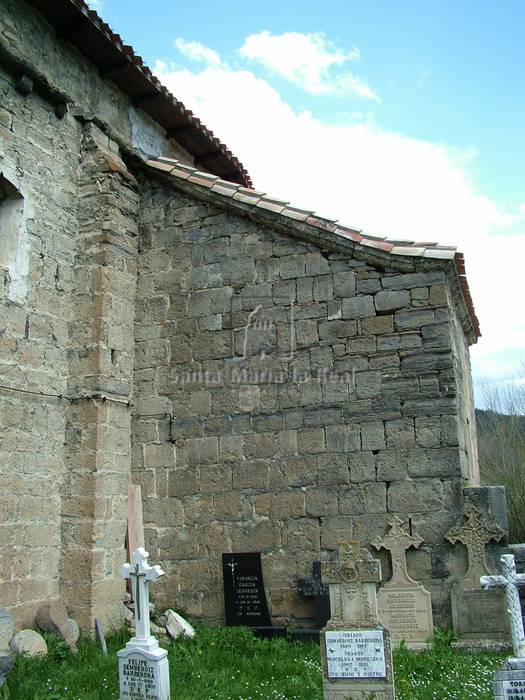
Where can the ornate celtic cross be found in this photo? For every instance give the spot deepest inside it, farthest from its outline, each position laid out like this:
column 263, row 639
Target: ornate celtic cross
column 352, row 576
column 475, row 534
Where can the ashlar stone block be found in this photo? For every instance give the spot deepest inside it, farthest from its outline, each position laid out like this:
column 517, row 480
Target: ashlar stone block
column 358, row 307
column 415, row 496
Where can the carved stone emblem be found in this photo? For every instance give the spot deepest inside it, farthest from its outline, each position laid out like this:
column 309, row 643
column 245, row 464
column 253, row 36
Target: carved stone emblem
column 475, row 534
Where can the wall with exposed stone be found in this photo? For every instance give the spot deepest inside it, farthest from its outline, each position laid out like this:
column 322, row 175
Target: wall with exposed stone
column 67, row 297
column 289, row 462
column 39, row 156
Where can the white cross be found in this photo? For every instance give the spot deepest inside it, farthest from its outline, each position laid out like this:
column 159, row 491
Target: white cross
column 142, row 575
column 510, row 581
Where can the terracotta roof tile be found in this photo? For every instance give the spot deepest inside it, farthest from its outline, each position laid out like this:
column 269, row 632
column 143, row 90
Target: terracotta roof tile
column 295, row 213
column 276, row 205
column 227, row 189
column 243, row 195
column 116, row 60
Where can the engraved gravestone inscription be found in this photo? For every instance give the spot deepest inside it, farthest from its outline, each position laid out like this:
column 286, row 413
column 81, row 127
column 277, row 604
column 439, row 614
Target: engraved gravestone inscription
column 355, row 654
column 244, row 594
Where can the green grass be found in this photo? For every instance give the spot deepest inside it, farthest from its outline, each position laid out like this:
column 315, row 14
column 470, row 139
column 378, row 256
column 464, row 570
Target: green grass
column 231, row 664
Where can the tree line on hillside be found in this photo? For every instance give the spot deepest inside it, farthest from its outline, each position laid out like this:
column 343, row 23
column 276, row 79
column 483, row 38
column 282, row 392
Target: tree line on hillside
column 501, row 443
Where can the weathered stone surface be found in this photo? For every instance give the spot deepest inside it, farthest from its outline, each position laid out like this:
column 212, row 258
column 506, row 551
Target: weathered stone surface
column 71, row 633
column 415, row 496
column 7, row 628
column 7, row 660
column 53, row 617
column 386, row 301
column 176, row 625
column 358, row 307
column 29, row 643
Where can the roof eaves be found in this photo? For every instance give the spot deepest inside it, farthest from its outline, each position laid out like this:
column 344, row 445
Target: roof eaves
column 118, row 62
column 377, row 245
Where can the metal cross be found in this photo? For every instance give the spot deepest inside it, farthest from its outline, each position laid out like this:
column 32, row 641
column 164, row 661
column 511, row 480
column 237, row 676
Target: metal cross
column 232, row 564
column 143, row 574
column 136, row 575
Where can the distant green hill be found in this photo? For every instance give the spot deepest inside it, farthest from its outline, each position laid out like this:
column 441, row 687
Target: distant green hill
column 490, row 421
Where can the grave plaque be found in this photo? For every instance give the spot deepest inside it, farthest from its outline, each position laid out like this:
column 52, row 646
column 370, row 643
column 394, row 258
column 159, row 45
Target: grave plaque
column 355, row 654
column 140, row 677
column 476, row 613
column 404, row 606
column 244, row 595
column 513, row 690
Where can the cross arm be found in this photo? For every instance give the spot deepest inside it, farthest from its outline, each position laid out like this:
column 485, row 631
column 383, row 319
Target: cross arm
column 493, row 582
column 154, row 573
column 125, row 570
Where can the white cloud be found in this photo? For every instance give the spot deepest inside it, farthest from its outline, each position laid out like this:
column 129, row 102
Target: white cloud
column 309, row 61
column 97, row 5
column 382, row 181
column 196, row 51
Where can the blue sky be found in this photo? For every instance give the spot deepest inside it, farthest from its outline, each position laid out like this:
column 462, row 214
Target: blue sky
column 415, row 108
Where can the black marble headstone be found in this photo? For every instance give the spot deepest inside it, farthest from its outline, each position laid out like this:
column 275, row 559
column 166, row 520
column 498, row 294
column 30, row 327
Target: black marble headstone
column 312, row 587
column 244, row 597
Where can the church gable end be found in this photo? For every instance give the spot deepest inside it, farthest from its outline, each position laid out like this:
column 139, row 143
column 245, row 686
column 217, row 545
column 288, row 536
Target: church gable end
column 285, row 393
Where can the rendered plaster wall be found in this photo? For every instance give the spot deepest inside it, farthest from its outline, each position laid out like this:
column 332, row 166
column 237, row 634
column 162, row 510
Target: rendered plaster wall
column 285, row 466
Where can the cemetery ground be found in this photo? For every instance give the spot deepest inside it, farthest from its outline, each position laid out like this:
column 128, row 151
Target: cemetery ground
column 231, row 664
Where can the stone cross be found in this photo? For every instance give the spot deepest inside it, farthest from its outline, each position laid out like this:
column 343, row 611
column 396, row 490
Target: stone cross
column 397, row 542
column 142, row 575
column 510, row 581
column 475, row 534
column 352, row 576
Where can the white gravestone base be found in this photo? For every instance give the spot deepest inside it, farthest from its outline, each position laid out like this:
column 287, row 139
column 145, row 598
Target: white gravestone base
column 509, row 682
column 143, row 673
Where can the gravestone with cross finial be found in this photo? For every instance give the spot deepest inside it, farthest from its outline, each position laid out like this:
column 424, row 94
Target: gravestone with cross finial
column 509, row 682
column 244, row 595
column 143, row 665
column 312, row 587
column 477, row 613
column 405, row 607
column 355, row 648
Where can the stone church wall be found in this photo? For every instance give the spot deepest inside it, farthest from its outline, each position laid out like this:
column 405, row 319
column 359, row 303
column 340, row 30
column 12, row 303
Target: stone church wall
column 234, row 464
column 39, row 157
column 67, row 298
